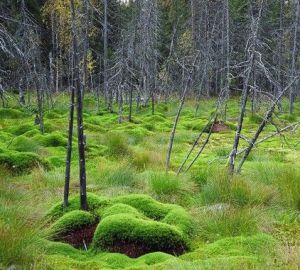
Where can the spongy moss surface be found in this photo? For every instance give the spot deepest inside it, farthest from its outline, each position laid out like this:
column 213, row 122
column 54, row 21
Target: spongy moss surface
column 132, row 219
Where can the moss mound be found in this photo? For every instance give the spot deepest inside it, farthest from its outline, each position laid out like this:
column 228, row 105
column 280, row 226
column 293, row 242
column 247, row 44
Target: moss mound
column 95, row 203
column 22, row 129
column 145, row 204
column 237, row 252
column 120, row 208
column 54, row 139
column 10, row 113
column 75, row 259
column 124, row 233
column 72, row 221
column 20, row 162
column 133, row 225
column 24, row 144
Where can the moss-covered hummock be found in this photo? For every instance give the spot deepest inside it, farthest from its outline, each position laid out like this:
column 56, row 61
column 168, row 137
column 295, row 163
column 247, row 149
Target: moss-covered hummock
column 54, row 139
column 132, row 224
column 94, row 203
column 72, row 221
column 10, row 113
column 133, row 236
column 20, row 162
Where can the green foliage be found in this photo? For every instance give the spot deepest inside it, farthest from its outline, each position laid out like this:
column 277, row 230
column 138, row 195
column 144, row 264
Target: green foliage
column 164, row 184
column 74, row 259
column 72, row 221
column 152, row 235
column 52, row 115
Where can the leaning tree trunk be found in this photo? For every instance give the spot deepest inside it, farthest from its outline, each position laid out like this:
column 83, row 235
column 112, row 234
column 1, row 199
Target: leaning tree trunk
column 172, row 136
column 261, row 127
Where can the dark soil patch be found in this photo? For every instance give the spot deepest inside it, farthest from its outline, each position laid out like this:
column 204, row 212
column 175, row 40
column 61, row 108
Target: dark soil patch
column 77, row 238
column 220, row 126
column 135, row 250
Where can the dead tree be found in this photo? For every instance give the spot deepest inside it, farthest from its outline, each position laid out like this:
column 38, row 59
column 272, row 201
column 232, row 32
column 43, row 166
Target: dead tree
column 294, row 54
column 252, row 51
column 79, row 107
column 262, row 125
column 70, row 139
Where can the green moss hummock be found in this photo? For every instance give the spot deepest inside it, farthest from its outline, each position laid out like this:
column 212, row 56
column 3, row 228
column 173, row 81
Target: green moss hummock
column 72, row 221
column 133, row 236
column 132, row 224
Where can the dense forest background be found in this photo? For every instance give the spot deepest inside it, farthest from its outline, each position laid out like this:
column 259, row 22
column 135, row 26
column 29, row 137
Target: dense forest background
column 149, row 49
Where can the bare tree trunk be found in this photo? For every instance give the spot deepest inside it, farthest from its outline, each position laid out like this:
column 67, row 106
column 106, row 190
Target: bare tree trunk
column 172, row 136
column 280, row 50
column 105, row 58
column 70, row 140
column 262, row 126
column 249, row 69
column 294, row 51
column 39, row 100
column 79, row 99
column 120, row 103
column 130, row 104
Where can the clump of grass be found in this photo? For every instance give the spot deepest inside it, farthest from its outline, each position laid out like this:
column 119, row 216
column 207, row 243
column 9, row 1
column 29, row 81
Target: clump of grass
column 216, row 223
column 285, row 178
column 164, row 184
column 121, row 175
column 221, row 188
column 140, row 159
column 222, row 151
column 19, row 237
column 289, row 117
column 117, row 146
column 235, row 190
column 255, row 119
column 199, row 176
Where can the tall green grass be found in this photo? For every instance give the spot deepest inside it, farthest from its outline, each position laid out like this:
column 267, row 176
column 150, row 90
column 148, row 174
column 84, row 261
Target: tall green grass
column 19, row 232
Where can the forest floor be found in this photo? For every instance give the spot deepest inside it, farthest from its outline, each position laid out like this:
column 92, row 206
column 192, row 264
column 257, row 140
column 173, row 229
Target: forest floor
column 251, row 221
